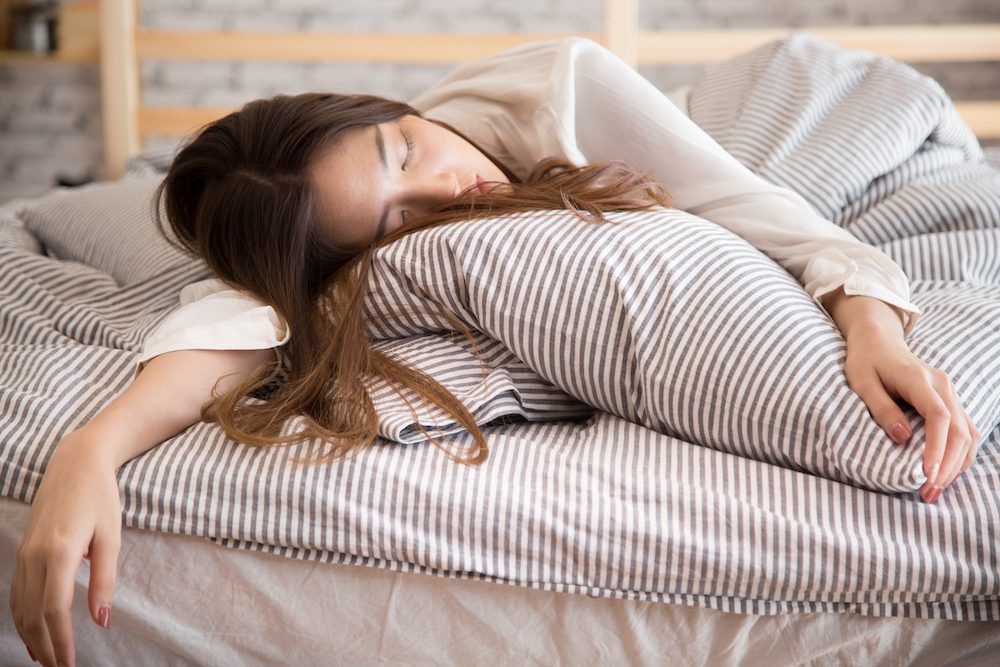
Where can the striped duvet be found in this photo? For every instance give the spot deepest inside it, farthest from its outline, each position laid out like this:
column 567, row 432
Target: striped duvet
column 571, row 498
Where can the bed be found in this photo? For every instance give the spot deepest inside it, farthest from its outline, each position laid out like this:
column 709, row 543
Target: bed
column 586, row 537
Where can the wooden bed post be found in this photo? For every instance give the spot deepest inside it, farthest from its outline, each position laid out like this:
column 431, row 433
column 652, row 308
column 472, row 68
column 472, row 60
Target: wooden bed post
column 620, row 29
column 119, row 85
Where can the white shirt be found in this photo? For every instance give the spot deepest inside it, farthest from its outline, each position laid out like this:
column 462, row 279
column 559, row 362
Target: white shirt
column 574, row 99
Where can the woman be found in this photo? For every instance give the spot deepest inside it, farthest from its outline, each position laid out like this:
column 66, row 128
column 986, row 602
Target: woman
column 286, row 200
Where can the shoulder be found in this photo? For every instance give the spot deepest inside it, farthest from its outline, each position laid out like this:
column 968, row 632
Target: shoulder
column 518, row 74
column 516, row 104
column 215, row 289
column 201, row 289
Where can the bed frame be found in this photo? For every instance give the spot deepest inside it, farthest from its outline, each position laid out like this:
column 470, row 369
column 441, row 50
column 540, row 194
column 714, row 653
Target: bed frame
column 123, row 42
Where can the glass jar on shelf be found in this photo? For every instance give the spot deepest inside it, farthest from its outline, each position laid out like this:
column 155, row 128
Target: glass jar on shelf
column 33, row 27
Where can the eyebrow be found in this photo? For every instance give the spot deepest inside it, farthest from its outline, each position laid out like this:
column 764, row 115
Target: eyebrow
column 380, row 146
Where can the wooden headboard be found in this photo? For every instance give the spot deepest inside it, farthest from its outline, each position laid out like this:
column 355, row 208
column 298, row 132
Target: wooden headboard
column 124, row 43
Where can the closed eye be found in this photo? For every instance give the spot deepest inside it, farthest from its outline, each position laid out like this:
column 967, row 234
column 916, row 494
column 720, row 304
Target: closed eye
column 409, row 148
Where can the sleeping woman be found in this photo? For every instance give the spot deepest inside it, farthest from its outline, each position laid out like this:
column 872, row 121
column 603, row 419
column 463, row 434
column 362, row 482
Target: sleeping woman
column 287, row 199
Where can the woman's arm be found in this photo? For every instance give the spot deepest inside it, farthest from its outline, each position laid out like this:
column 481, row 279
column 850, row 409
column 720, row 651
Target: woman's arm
column 76, row 511
column 574, row 99
column 614, row 113
column 165, row 398
column 618, row 114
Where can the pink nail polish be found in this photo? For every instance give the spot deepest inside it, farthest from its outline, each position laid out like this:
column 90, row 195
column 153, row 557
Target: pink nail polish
column 104, row 617
column 899, row 433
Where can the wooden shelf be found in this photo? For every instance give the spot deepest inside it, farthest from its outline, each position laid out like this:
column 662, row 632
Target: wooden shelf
column 77, row 36
column 27, row 58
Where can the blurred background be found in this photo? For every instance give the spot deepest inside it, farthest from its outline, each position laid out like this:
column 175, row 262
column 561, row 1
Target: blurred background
column 50, row 116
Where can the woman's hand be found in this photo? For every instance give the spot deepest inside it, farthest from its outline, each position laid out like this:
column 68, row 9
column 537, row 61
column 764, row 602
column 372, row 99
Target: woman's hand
column 880, row 366
column 76, row 514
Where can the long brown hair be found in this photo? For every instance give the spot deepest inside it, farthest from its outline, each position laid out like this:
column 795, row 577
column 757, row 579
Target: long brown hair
column 239, row 196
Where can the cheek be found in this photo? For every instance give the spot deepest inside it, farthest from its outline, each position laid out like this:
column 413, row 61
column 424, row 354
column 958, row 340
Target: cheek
column 445, row 145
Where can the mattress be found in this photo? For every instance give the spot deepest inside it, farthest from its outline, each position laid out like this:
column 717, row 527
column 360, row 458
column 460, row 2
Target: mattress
column 181, row 600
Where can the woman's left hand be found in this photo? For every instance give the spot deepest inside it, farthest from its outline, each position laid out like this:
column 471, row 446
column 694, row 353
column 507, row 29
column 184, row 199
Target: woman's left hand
column 879, row 367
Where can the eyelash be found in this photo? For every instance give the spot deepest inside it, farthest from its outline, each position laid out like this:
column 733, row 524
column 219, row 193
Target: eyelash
column 409, row 149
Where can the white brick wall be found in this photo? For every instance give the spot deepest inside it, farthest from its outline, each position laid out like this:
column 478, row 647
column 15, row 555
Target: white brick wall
column 50, row 120
column 12, row 143
column 192, row 74
column 48, row 115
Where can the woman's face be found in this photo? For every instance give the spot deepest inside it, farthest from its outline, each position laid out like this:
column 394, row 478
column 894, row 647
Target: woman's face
column 373, row 180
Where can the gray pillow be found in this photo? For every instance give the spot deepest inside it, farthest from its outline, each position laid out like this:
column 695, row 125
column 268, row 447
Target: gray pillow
column 489, row 381
column 675, row 323
column 107, row 225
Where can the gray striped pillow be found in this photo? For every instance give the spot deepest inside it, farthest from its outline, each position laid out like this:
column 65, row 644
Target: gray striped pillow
column 489, row 381
column 675, row 323
column 107, row 225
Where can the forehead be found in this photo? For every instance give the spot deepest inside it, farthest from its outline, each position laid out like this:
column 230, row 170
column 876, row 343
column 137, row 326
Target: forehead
column 345, row 179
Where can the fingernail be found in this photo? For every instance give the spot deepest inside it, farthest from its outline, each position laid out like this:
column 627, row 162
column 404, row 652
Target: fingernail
column 932, row 475
column 934, row 494
column 899, row 433
column 104, row 616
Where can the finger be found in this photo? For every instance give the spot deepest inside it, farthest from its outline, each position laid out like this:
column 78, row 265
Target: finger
column 883, row 408
column 13, row 602
column 977, row 438
column 960, row 455
column 15, row 605
column 926, row 400
column 36, row 633
column 58, row 601
column 103, row 564
column 961, row 465
column 11, row 598
column 17, row 608
column 959, row 438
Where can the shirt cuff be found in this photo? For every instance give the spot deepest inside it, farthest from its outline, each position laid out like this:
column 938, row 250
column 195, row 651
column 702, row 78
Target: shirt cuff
column 867, row 273
column 858, row 285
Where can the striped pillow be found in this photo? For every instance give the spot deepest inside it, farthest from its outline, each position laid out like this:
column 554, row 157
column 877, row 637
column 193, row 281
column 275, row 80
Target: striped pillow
column 675, row 323
column 107, row 225
column 489, row 381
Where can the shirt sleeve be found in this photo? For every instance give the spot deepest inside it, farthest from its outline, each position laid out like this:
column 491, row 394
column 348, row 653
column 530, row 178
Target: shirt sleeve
column 574, row 99
column 610, row 111
column 213, row 316
column 498, row 102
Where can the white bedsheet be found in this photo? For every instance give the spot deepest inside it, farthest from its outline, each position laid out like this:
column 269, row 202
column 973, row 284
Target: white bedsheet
column 183, row 600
